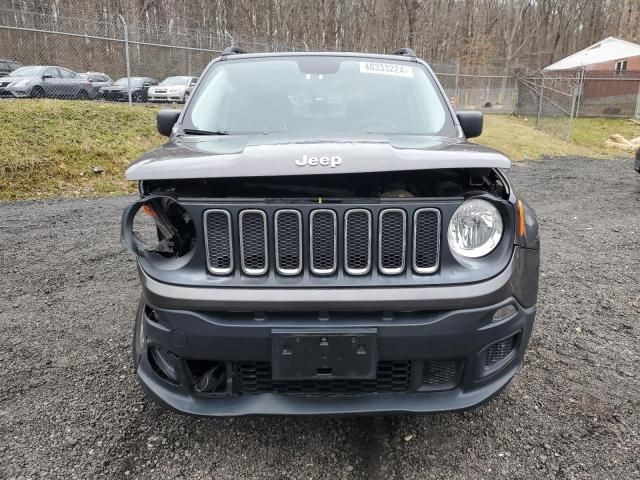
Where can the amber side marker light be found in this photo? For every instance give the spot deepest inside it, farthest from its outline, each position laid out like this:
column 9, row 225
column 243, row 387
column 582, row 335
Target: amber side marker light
column 520, row 219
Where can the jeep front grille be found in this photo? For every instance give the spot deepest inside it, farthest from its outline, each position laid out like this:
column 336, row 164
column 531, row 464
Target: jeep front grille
column 253, row 242
column 323, row 241
column 288, row 233
column 218, row 241
column 426, row 240
column 357, row 241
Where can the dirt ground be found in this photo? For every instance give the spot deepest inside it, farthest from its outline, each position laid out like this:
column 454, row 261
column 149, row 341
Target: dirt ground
column 71, row 407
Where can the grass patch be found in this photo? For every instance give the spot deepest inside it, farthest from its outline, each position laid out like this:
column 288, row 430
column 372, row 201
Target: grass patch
column 516, row 137
column 50, row 147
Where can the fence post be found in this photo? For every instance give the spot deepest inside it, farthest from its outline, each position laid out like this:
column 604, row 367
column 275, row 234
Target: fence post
column 456, row 90
column 126, row 56
column 581, row 75
column 540, row 104
column 574, row 99
column 638, row 102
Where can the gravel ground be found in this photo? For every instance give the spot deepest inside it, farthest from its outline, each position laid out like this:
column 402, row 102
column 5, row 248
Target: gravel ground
column 71, row 407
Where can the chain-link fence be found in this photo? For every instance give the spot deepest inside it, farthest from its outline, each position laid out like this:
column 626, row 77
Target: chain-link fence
column 119, row 59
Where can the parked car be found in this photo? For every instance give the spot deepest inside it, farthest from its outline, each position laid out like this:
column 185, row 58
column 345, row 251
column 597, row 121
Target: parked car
column 8, row 66
column 44, row 81
column 636, row 163
column 119, row 90
column 172, row 89
column 323, row 239
column 97, row 81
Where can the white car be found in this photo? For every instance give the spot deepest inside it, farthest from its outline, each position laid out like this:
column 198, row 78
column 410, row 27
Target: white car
column 172, row 89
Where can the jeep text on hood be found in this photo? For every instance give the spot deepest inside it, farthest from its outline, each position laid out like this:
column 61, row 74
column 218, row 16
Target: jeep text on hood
column 318, row 236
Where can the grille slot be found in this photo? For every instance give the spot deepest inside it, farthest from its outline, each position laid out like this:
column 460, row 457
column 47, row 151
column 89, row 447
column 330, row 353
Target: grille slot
column 255, row 377
column 218, row 241
column 324, row 242
column 426, row 240
column 441, row 374
column 500, row 350
column 392, row 232
column 253, row 242
column 357, row 241
column 288, row 232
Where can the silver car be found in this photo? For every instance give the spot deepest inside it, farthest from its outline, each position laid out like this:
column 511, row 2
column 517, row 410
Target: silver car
column 172, row 89
column 44, row 81
column 97, row 81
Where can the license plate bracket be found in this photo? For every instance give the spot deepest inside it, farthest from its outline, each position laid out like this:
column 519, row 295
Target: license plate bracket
column 324, row 354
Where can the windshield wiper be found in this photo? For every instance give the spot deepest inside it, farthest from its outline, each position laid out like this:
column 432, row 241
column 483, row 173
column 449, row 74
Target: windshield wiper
column 190, row 131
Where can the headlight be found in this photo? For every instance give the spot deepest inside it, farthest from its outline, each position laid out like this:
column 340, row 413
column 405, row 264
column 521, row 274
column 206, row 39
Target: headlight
column 21, row 83
column 475, row 229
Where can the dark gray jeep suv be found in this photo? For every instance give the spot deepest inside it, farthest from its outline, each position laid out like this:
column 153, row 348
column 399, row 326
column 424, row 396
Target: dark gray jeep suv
column 319, row 237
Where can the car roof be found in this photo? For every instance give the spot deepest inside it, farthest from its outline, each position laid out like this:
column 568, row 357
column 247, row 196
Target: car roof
column 406, row 58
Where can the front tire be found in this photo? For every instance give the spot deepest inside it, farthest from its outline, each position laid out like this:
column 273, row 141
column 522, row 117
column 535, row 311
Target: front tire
column 136, row 97
column 37, row 92
column 82, row 95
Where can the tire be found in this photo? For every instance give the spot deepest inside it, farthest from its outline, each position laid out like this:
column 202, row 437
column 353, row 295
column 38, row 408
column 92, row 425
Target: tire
column 37, row 92
column 136, row 97
column 136, row 347
column 185, row 98
column 82, row 95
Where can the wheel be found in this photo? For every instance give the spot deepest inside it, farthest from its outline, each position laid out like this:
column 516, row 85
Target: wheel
column 136, row 97
column 136, row 345
column 83, row 95
column 37, row 92
column 186, row 97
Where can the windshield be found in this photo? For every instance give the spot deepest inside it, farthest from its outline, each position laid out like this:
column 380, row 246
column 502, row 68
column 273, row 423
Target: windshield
column 175, row 81
column 123, row 81
column 318, row 95
column 27, row 72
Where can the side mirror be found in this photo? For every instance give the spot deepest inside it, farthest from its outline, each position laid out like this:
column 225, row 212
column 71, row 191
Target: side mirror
column 165, row 121
column 471, row 123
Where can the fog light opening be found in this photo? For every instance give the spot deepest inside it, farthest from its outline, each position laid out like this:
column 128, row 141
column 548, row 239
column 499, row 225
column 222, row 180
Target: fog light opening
column 504, row 313
column 164, row 363
column 213, row 381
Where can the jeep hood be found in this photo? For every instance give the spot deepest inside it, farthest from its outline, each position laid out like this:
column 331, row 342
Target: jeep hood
column 276, row 155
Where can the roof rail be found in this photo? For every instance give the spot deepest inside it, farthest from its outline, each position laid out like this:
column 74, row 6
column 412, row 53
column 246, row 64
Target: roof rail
column 233, row 51
column 404, row 51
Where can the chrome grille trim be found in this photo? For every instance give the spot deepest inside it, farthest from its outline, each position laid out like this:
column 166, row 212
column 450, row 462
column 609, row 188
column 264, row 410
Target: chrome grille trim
column 281, row 270
column 213, row 269
column 381, row 245
column 423, row 270
column 323, row 271
column 245, row 269
column 356, row 271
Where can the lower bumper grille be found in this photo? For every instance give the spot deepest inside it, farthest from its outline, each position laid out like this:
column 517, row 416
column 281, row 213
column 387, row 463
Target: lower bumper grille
column 500, row 350
column 441, row 374
column 255, row 377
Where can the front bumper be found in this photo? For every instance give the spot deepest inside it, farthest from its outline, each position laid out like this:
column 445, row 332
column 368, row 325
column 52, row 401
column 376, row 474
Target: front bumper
column 417, row 326
column 15, row 92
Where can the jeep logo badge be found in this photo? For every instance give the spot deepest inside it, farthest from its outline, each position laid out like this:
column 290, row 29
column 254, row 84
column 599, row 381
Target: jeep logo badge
column 332, row 161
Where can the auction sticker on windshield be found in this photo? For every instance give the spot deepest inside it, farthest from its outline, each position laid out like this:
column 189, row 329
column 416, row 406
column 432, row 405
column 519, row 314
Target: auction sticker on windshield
column 386, row 69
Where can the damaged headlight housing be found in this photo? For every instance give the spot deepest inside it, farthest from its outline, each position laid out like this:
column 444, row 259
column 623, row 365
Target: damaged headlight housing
column 475, row 228
column 160, row 225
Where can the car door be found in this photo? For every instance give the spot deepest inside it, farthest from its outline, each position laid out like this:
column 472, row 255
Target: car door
column 51, row 83
column 70, row 83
